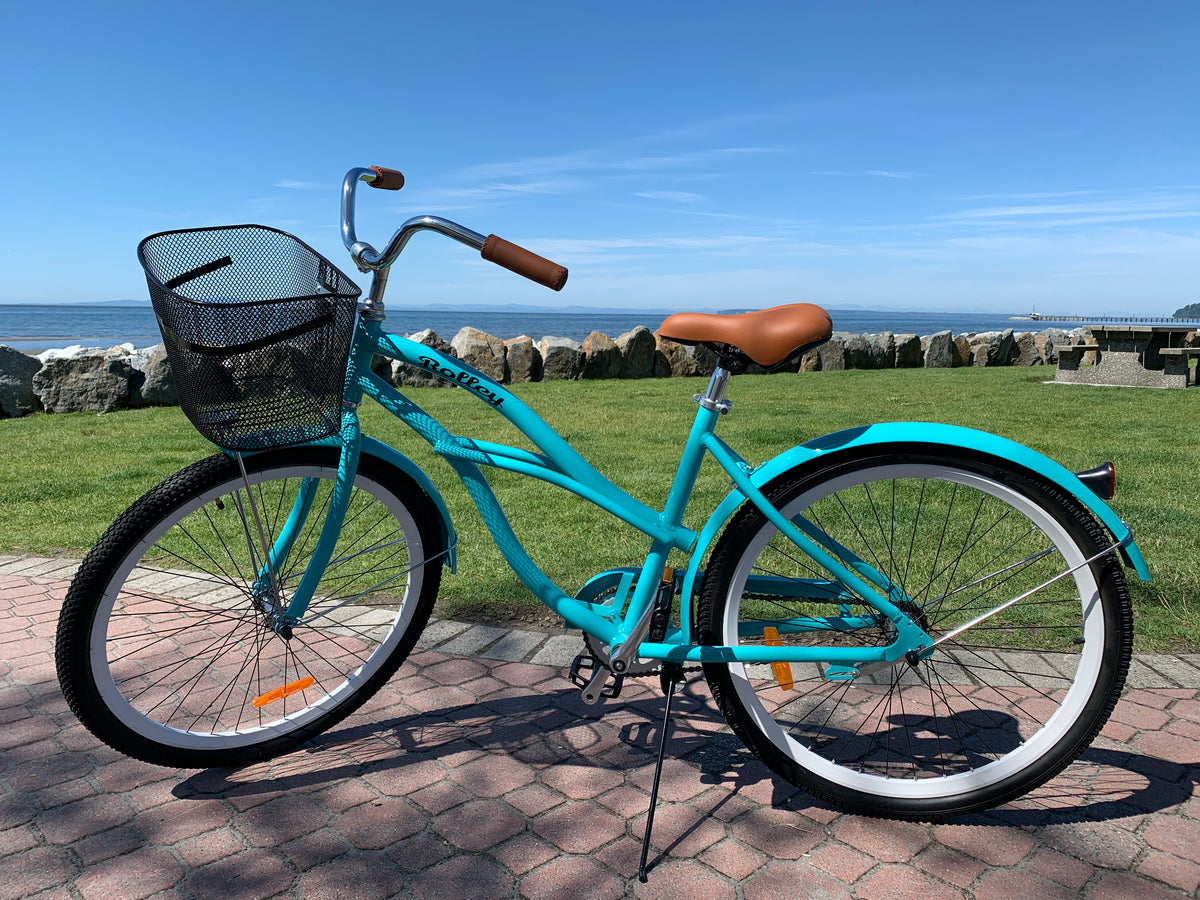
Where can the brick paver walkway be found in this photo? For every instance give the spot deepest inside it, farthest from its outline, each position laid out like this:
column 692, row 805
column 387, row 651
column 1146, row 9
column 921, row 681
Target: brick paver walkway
column 478, row 773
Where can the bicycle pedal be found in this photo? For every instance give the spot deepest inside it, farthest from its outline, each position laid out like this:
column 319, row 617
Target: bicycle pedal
column 595, row 682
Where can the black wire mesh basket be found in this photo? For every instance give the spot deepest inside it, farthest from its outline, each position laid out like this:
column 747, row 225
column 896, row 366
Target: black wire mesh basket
column 257, row 327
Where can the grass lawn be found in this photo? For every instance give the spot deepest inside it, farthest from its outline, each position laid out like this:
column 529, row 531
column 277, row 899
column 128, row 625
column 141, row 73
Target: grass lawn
column 63, row 478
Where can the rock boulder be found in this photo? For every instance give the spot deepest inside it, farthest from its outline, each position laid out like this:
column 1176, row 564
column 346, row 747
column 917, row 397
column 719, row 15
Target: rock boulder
column 152, row 383
column 481, row 351
column 524, row 361
column 908, row 351
column 833, row 352
column 562, row 358
column 637, row 353
column 93, row 381
column 17, row 397
column 601, row 357
column 939, row 351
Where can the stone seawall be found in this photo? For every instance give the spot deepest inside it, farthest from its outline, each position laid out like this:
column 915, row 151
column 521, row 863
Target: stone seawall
column 97, row 380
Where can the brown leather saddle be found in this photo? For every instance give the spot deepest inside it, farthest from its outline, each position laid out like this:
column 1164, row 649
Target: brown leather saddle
column 765, row 336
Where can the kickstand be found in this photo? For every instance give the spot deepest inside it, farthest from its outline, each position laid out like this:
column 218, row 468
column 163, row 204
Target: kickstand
column 670, row 679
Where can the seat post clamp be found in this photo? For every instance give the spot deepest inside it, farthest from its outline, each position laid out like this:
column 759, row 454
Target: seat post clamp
column 717, row 406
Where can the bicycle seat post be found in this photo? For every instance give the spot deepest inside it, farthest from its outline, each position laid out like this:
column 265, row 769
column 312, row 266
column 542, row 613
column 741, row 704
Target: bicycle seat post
column 714, row 398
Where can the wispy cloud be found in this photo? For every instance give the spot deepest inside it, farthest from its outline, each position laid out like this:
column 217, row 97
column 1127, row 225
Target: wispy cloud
column 467, row 196
column 503, row 188
column 663, row 155
column 601, row 161
column 290, row 185
column 1032, row 195
column 1105, row 209
column 871, row 173
column 612, row 250
column 672, row 196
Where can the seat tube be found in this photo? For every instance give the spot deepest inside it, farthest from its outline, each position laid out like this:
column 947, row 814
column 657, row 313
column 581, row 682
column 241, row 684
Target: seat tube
column 630, row 636
column 712, row 405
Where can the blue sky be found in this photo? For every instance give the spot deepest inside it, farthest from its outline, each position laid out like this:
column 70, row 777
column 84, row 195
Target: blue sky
column 918, row 155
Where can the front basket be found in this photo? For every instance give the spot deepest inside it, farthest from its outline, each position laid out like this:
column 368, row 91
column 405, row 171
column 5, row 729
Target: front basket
column 257, row 327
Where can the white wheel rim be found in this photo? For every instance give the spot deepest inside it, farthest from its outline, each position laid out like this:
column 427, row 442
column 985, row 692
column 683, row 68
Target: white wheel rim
column 1030, row 751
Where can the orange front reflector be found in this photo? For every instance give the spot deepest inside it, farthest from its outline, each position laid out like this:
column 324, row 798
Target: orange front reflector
column 281, row 692
column 782, row 670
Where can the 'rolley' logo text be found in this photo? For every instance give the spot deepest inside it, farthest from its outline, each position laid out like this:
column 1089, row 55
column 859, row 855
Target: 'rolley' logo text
column 463, row 379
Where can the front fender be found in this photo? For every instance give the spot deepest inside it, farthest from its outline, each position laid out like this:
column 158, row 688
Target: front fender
column 914, row 433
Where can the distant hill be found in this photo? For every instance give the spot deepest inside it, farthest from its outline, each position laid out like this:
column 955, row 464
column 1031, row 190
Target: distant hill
column 1191, row 311
column 82, row 303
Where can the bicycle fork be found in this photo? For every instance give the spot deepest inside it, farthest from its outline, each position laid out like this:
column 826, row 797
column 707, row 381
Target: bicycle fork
column 274, row 549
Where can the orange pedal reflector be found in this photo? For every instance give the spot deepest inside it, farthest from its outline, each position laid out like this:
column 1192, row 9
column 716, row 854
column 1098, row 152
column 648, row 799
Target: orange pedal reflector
column 280, row 692
column 782, row 670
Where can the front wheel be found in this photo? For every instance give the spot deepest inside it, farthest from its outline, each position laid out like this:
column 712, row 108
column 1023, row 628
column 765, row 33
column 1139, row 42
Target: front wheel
column 992, row 712
column 170, row 644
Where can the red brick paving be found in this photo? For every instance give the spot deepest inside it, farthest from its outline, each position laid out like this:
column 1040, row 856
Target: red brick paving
column 480, row 778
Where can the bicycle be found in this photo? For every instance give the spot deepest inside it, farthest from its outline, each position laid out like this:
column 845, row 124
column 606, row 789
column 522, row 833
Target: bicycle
column 906, row 620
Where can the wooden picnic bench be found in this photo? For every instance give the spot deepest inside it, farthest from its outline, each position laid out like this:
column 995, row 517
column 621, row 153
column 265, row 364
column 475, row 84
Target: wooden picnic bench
column 1130, row 355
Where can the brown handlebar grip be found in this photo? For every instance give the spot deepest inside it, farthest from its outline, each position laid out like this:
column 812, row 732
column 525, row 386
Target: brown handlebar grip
column 386, row 179
column 524, row 262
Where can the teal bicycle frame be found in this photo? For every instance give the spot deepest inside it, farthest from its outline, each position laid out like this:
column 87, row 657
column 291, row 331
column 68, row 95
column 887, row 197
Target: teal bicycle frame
column 623, row 622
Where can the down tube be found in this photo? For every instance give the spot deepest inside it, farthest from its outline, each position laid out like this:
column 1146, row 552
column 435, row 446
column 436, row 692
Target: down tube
column 562, row 466
column 559, row 464
column 575, row 612
column 563, row 456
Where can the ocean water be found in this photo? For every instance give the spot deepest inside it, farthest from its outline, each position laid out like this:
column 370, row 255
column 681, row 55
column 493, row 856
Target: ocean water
column 36, row 327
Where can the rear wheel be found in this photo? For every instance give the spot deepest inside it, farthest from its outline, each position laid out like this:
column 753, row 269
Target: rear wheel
column 170, row 646
column 992, row 712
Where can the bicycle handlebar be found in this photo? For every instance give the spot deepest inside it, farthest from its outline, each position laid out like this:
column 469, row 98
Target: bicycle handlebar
column 386, row 179
column 494, row 249
column 517, row 259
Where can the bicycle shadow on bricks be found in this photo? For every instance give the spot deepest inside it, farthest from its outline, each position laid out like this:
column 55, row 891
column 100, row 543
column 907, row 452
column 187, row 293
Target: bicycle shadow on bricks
column 1101, row 785
column 540, row 730
column 554, row 727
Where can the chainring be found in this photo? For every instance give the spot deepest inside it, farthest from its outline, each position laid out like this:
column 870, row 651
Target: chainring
column 638, row 667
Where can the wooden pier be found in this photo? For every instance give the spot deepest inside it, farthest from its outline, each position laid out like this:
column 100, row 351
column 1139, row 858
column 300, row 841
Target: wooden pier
column 1108, row 320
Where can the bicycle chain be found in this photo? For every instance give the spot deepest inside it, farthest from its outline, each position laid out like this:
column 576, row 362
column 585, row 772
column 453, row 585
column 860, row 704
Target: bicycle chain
column 599, row 651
